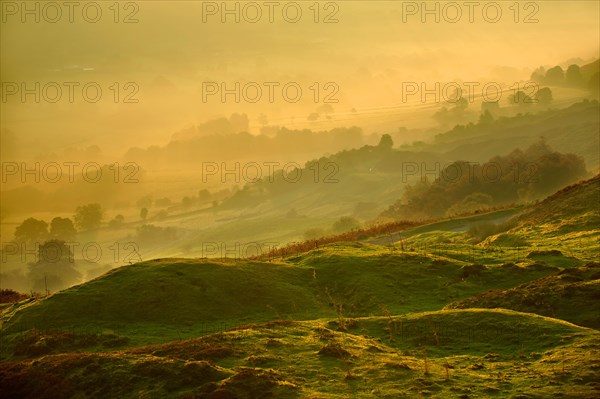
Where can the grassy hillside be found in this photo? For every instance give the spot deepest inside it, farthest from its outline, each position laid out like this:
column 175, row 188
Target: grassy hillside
column 450, row 354
column 349, row 319
column 560, row 231
column 573, row 208
column 565, row 295
column 165, row 299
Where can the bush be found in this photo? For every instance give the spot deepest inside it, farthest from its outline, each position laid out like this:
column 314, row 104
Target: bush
column 510, row 240
column 334, row 350
column 10, row 296
column 472, row 270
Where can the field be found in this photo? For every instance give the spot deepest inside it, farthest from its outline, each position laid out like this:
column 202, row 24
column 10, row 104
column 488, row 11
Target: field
column 501, row 304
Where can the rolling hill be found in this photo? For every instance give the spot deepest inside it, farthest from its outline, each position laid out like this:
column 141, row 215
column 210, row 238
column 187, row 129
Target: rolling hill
column 567, row 295
column 402, row 315
column 460, row 353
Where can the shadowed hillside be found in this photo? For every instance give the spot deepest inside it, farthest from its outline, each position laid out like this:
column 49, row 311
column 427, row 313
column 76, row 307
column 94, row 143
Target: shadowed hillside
column 568, row 295
column 464, row 353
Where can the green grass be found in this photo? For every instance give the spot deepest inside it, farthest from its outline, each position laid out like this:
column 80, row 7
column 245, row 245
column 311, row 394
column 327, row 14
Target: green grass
column 345, row 320
column 161, row 300
column 479, row 353
column 565, row 295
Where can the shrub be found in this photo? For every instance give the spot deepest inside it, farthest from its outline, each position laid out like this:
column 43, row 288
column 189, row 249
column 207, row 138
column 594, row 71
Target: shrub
column 472, row 270
column 10, row 296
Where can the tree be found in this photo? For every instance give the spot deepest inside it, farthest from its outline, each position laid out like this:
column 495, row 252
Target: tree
column 150, row 234
column 521, row 99
column 204, row 195
column 88, row 217
column 538, row 149
column 63, row 229
column 54, row 251
column 486, row 118
column 325, row 109
column 313, row 116
column 461, row 104
column 464, row 187
column 55, row 267
column 555, row 76
column 144, row 213
column 386, row 142
column 32, row 231
column 454, row 115
column 117, row 222
column 573, row 76
column 539, row 75
column 544, row 96
column 493, row 107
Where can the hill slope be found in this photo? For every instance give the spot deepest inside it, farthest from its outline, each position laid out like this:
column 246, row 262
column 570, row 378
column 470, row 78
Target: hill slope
column 576, row 207
column 568, row 295
column 165, row 299
column 343, row 320
column 451, row 354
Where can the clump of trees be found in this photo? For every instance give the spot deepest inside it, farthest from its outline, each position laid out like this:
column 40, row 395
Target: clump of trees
column 586, row 78
column 88, row 217
column 462, row 187
column 54, row 269
column 34, row 231
column 542, row 97
column 454, row 114
column 150, row 234
column 117, row 221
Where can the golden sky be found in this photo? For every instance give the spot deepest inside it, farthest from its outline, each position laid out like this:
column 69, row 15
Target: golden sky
column 168, row 51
